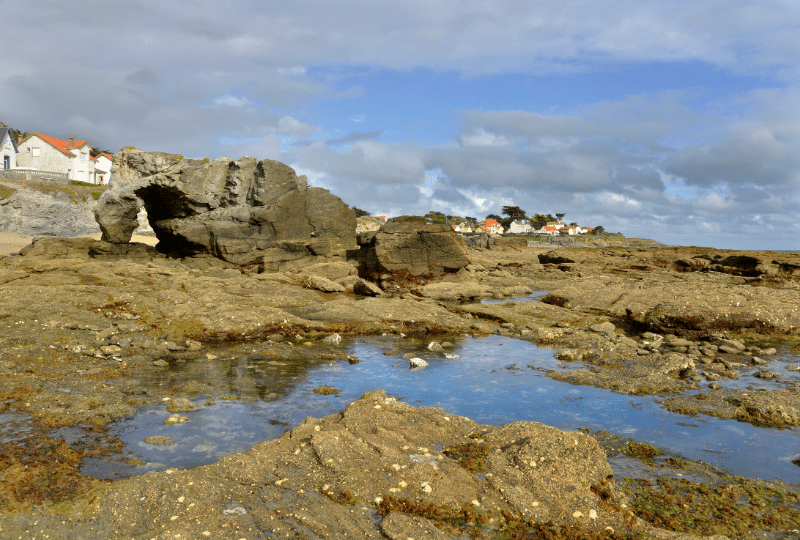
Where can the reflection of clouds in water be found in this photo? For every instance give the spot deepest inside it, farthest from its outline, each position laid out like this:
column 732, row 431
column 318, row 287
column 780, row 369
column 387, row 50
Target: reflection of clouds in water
column 464, row 387
column 735, row 429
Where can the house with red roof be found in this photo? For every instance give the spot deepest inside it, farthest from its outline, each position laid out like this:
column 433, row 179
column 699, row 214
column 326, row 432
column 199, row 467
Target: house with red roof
column 491, row 226
column 44, row 153
column 551, row 230
column 103, row 168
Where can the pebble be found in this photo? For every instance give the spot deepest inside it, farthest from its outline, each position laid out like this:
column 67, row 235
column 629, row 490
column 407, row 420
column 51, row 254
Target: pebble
column 417, row 363
column 180, row 404
column 175, row 419
column 793, row 367
column 766, row 375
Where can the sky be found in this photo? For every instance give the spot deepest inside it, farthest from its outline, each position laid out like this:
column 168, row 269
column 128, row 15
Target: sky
column 675, row 120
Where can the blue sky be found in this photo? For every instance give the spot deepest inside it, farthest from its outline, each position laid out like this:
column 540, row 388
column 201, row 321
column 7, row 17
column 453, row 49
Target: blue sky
column 672, row 119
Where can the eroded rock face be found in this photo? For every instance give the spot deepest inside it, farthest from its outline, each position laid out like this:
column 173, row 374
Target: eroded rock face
column 244, row 211
column 410, row 245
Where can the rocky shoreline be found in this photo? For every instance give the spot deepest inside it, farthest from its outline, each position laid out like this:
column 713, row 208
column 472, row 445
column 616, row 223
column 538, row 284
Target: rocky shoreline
column 251, row 261
column 84, row 319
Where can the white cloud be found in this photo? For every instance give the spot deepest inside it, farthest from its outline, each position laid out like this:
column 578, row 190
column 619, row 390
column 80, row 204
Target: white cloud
column 230, row 101
column 293, row 126
column 481, row 137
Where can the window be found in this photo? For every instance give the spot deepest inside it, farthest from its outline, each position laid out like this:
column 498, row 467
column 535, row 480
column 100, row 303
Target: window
column 6, row 162
column 35, row 151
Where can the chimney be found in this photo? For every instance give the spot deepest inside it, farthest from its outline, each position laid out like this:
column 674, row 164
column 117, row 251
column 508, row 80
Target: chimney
column 71, row 141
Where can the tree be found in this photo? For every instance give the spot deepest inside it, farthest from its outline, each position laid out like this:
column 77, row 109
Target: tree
column 494, row 217
column 540, row 220
column 360, row 212
column 560, row 216
column 514, row 212
column 573, row 224
column 469, row 219
column 598, row 230
column 97, row 151
column 436, row 217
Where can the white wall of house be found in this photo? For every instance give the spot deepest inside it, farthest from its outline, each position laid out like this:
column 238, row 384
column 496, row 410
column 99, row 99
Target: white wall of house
column 520, row 227
column 8, row 152
column 103, row 163
column 35, row 153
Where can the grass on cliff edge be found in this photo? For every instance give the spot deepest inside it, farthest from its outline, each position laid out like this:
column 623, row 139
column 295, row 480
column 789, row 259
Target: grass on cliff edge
column 76, row 191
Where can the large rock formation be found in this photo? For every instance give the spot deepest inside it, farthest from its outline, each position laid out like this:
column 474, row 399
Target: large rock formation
column 243, row 211
column 408, row 244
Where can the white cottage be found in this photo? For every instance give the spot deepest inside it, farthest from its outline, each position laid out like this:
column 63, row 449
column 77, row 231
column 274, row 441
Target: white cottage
column 45, row 153
column 103, row 168
column 8, row 148
column 520, row 226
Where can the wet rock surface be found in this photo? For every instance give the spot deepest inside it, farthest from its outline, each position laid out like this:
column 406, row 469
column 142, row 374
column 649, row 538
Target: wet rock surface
column 348, row 476
column 83, row 321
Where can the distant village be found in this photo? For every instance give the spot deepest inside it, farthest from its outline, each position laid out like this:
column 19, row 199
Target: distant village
column 36, row 156
column 516, row 222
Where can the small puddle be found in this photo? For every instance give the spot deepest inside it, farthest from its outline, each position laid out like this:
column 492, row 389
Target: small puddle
column 534, row 296
column 494, row 380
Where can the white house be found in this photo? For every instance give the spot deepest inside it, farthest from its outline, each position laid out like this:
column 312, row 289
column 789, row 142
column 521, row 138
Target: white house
column 551, row 230
column 520, row 226
column 45, row 153
column 103, row 168
column 8, row 149
column 462, row 228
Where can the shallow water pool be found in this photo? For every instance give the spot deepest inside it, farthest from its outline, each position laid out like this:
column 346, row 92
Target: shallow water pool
column 492, row 380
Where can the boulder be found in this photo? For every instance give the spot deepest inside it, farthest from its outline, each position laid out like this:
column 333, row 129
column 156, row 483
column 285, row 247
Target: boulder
column 243, row 211
column 409, row 245
column 365, row 288
column 322, row 284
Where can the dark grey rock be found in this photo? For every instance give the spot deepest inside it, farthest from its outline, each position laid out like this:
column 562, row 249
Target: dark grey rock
column 409, row 245
column 244, row 211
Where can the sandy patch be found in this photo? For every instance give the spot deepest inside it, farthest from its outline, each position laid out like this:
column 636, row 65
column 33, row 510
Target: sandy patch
column 11, row 243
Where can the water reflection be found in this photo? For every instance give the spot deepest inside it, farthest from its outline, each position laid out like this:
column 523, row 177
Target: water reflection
column 495, row 380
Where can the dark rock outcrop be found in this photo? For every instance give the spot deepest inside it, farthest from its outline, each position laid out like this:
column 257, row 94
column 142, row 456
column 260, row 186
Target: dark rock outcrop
column 407, row 244
column 243, row 211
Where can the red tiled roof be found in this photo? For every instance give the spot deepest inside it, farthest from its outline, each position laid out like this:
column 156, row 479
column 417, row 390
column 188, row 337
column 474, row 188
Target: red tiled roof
column 106, row 155
column 58, row 144
column 550, row 228
column 490, row 221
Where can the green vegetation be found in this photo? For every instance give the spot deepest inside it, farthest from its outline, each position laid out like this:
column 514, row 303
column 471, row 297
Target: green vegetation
column 6, row 192
column 471, row 456
column 736, row 509
column 642, row 450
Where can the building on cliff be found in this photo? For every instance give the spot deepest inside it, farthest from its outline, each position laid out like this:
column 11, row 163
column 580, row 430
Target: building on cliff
column 44, row 153
column 8, row 149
